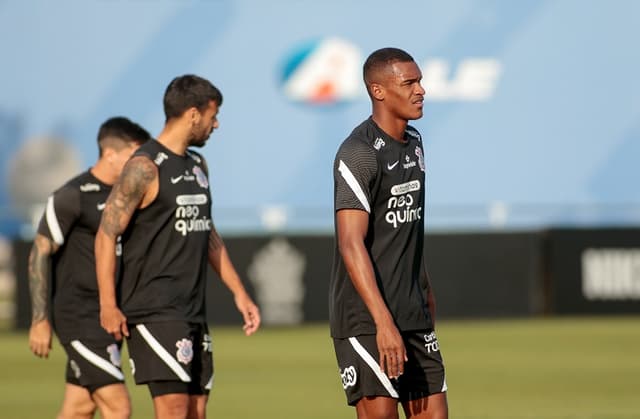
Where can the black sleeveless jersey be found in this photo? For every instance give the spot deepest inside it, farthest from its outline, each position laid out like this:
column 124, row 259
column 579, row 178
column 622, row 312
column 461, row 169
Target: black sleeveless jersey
column 71, row 219
column 384, row 177
column 165, row 246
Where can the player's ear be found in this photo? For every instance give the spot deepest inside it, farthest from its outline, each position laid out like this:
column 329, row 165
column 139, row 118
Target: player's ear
column 108, row 154
column 377, row 91
column 194, row 115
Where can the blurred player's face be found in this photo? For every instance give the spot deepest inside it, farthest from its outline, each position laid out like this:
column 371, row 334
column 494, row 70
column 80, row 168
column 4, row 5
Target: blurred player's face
column 404, row 94
column 204, row 124
column 120, row 157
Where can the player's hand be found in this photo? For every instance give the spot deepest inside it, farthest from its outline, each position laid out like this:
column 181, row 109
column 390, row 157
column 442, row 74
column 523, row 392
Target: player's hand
column 393, row 354
column 250, row 314
column 40, row 338
column 114, row 322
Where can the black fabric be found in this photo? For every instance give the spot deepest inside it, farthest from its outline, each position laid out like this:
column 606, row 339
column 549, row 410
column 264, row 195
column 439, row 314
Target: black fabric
column 187, row 348
column 82, row 369
column 73, row 213
column 385, row 177
column 358, row 363
column 164, row 263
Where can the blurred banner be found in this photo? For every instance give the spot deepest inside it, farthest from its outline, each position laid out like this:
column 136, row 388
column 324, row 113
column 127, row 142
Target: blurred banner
column 593, row 271
column 473, row 275
column 532, row 116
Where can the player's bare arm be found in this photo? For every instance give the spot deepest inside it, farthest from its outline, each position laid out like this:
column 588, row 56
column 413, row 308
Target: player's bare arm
column 139, row 177
column 221, row 263
column 352, row 228
column 39, row 263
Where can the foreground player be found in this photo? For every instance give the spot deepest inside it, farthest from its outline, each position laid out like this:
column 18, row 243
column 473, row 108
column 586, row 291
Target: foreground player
column 382, row 307
column 66, row 237
column 162, row 207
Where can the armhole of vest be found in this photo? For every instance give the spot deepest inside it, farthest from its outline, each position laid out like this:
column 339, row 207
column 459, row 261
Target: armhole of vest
column 144, row 153
column 148, row 156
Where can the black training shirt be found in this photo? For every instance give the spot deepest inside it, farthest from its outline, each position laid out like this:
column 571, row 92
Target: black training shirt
column 384, row 177
column 71, row 219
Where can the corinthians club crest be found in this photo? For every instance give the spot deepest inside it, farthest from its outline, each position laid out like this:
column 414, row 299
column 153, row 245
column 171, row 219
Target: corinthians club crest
column 201, row 178
column 185, row 351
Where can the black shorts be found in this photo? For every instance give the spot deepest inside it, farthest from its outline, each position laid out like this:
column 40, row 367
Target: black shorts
column 93, row 364
column 171, row 357
column 358, row 360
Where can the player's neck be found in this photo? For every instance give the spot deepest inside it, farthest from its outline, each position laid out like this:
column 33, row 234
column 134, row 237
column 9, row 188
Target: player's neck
column 175, row 138
column 102, row 171
column 390, row 124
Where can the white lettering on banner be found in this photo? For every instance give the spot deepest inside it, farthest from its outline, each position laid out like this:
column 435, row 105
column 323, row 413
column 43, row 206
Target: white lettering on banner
column 611, row 274
column 474, row 80
column 197, row 199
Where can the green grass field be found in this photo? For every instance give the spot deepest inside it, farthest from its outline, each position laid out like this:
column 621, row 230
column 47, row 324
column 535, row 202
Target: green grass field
column 586, row 368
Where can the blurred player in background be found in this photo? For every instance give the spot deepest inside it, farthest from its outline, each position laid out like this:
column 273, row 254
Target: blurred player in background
column 162, row 207
column 382, row 308
column 64, row 246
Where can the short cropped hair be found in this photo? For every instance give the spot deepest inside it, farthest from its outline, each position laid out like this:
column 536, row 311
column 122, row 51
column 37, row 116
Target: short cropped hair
column 378, row 61
column 189, row 91
column 120, row 132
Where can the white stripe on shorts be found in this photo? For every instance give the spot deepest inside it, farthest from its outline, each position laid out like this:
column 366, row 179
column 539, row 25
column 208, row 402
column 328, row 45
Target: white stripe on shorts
column 52, row 222
column 366, row 356
column 97, row 360
column 209, row 384
column 163, row 354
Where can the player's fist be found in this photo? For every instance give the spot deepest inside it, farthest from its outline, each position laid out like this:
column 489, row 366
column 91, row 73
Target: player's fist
column 40, row 338
column 114, row 322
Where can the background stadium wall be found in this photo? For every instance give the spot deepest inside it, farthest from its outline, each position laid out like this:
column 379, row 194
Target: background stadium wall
column 502, row 274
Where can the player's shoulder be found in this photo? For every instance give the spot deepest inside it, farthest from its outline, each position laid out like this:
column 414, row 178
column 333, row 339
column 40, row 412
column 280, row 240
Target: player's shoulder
column 195, row 156
column 362, row 141
column 198, row 158
column 69, row 195
column 413, row 133
column 84, row 182
column 150, row 151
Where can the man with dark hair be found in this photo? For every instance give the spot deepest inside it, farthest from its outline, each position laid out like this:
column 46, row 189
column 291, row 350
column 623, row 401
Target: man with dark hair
column 382, row 308
column 66, row 238
column 162, row 208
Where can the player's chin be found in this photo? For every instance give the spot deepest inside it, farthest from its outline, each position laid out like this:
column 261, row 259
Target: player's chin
column 199, row 143
column 415, row 114
column 414, row 111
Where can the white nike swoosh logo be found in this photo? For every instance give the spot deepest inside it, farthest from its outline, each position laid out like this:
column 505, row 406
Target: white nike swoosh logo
column 101, row 206
column 391, row 166
column 175, row 180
